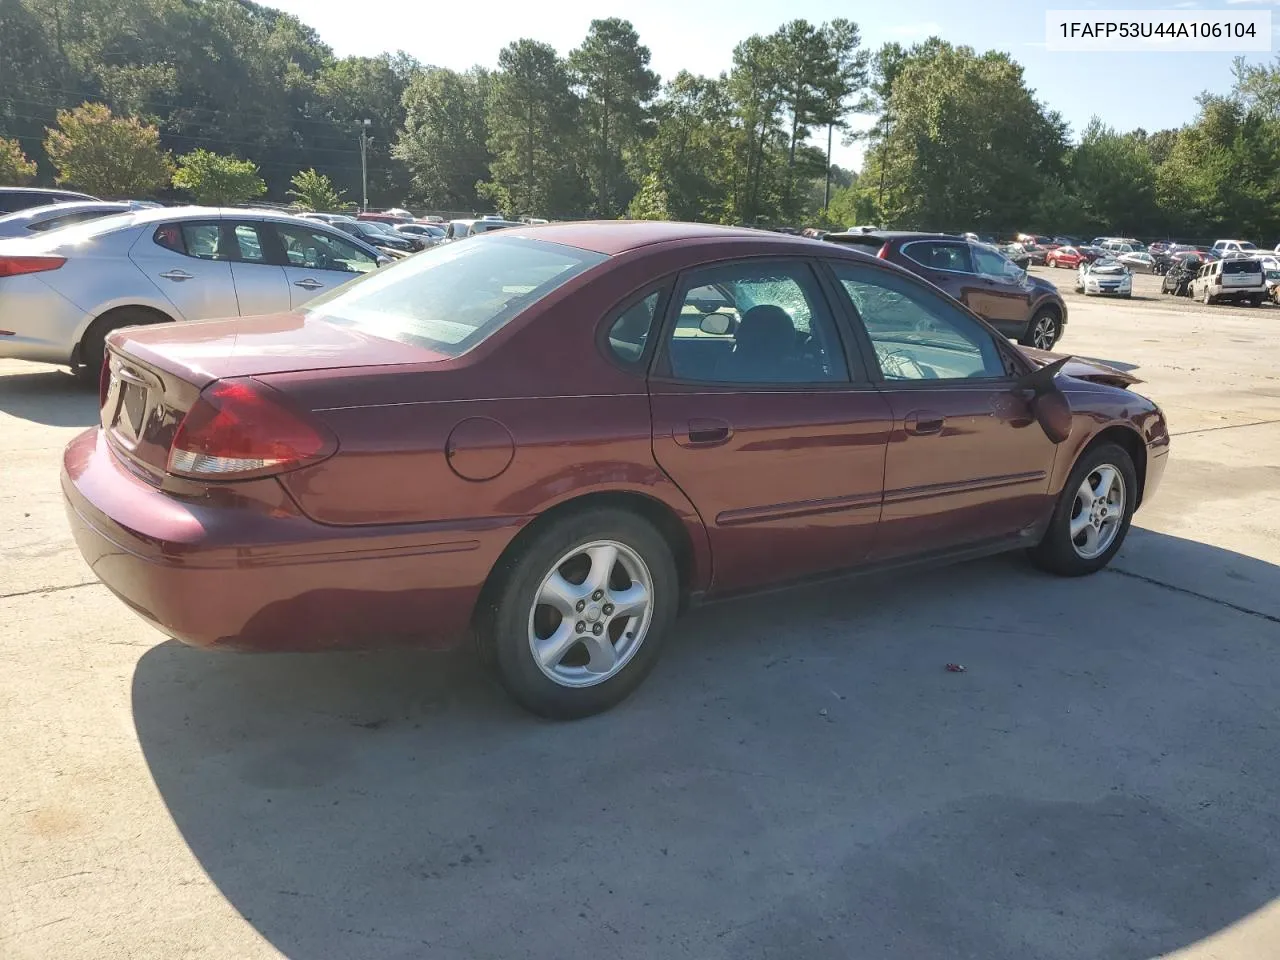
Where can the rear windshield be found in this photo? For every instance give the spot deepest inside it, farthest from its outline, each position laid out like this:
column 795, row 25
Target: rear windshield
column 453, row 296
column 1241, row 266
column 81, row 232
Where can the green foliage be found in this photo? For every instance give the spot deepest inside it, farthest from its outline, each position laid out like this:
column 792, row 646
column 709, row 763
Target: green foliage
column 611, row 72
column 15, row 168
column 650, row 202
column 314, row 191
column 443, row 143
column 963, row 144
column 533, row 117
column 214, row 179
column 957, row 142
column 107, row 155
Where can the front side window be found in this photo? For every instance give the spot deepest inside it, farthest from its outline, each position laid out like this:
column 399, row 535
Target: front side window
column 249, row 244
column 989, row 263
column 318, row 250
column 755, row 323
column 916, row 334
column 451, row 297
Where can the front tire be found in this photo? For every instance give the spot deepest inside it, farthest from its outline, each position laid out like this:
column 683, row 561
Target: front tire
column 1044, row 330
column 1093, row 514
column 1205, row 297
column 577, row 618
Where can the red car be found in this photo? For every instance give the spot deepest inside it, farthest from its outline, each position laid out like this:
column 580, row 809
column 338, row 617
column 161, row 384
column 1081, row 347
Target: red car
column 1068, row 257
column 553, row 438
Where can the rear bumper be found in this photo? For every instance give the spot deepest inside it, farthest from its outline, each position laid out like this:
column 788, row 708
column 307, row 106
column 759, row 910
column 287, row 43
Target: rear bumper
column 243, row 568
column 43, row 323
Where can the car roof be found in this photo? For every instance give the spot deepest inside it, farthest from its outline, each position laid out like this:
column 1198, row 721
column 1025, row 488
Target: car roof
column 612, row 237
column 51, row 191
column 890, row 236
column 69, row 207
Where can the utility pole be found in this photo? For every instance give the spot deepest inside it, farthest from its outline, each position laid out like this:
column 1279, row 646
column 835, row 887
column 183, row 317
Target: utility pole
column 365, row 140
column 826, row 196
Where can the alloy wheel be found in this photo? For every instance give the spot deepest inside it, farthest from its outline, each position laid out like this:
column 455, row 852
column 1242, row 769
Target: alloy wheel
column 1043, row 335
column 1097, row 512
column 591, row 613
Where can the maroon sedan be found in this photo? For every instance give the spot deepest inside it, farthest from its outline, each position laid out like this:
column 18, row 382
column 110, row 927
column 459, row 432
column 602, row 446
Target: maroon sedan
column 554, row 437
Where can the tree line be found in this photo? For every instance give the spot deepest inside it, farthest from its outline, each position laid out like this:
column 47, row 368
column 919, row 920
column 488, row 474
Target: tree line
column 233, row 100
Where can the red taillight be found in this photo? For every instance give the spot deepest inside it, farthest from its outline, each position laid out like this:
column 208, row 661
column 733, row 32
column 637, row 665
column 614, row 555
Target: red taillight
column 29, row 263
column 884, row 252
column 238, row 428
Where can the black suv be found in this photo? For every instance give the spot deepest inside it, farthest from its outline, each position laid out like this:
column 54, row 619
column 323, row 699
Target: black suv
column 1020, row 306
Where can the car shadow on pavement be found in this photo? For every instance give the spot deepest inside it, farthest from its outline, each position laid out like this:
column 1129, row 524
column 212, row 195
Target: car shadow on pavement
column 51, row 397
column 799, row 775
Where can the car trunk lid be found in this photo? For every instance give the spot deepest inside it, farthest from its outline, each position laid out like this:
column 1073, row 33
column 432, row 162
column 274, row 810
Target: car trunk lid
column 154, row 374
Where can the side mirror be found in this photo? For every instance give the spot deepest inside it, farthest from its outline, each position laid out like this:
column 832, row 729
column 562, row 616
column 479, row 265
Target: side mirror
column 1049, row 405
column 716, row 324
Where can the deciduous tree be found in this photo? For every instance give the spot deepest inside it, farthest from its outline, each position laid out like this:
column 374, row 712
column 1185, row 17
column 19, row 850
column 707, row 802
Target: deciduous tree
column 107, row 155
column 218, row 180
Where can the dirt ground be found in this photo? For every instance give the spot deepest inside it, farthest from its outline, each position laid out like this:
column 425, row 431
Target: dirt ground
column 799, row 778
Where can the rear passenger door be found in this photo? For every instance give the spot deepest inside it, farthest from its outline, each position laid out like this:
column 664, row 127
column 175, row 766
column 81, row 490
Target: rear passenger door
column 187, row 262
column 261, row 285
column 767, row 422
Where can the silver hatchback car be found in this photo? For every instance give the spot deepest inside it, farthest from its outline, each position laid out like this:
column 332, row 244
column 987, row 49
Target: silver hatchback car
column 62, row 292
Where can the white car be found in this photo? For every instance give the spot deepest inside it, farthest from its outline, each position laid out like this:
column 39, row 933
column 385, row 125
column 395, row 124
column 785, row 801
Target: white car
column 1104, row 277
column 1240, row 279
column 62, row 292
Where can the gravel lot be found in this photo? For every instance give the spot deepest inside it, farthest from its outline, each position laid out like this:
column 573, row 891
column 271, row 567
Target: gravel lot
column 799, row 778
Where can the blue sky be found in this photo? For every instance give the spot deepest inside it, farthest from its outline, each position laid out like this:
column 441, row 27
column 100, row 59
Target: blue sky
column 1127, row 90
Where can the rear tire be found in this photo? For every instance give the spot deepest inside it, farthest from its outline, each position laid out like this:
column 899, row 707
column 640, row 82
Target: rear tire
column 1105, row 468
column 93, row 345
column 554, row 596
column 1205, row 298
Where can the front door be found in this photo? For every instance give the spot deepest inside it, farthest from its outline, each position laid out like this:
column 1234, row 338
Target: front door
column 186, row 262
column 261, row 285
column 316, row 261
column 760, row 421
column 1003, row 295
column 966, row 461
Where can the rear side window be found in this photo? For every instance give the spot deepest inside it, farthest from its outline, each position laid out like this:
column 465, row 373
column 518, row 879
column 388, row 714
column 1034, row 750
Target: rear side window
column 451, row 297
column 1242, row 266
column 939, row 255
column 629, row 332
column 198, row 240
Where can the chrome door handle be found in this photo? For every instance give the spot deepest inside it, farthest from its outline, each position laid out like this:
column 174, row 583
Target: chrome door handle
column 308, row 284
column 177, row 275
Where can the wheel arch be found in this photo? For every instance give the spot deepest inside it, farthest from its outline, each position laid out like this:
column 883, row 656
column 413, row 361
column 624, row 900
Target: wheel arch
column 104, row 317
column 1127, row 438
column 689, row 559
